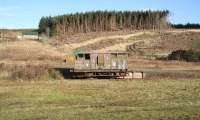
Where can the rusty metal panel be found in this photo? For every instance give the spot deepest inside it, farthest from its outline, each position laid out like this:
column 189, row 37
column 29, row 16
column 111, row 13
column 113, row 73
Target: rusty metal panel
column 107, row 58
column 122, row 61
column 114, row 61
column 122, row 64
column 93, row 61
column 82, row 64
column 87, row 64
column 70, row 60
column 102, row 61
column 113, row 64
column 79, row 64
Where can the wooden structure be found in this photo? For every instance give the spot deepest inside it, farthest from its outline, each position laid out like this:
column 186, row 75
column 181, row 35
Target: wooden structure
column 100, row 64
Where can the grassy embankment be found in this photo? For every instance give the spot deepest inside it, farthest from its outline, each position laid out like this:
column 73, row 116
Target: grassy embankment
column 100, row 100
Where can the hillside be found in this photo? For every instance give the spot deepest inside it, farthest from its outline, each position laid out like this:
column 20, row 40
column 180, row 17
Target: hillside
column 142, row 45
column 146, row 42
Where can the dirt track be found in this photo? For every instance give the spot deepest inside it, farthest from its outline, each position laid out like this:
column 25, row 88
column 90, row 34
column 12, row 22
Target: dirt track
column 96, row 40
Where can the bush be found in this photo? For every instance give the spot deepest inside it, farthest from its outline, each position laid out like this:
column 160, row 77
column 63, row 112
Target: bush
column 28, row 72
column 189, row 56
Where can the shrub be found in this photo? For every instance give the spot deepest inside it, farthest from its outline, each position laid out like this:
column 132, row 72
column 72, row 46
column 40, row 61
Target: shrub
column 189, row 56
column 28, row 72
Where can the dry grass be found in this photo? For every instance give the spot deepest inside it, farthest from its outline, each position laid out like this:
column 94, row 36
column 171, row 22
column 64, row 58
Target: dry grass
column 27, row 72
column 35, row 53
column 180, row 41
column 103, row 42
column 29, row 91
column 29, row 50
column 82, row 37
column 173, row 74
column 140, row 63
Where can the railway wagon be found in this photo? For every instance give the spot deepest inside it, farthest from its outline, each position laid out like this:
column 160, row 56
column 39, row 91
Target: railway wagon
column 99, row 65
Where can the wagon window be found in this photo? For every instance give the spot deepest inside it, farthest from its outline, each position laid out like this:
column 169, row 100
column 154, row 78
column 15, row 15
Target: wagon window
column 80, row 55
column 114, row 55
column 87, row 56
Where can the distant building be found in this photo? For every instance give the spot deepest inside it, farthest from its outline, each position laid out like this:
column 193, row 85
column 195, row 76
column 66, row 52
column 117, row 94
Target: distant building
column 29, row 35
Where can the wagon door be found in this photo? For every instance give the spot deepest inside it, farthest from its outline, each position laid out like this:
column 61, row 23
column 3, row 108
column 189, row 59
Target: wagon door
column 87, row 61
column 114, row 61
column 107, row 59
column 122, row 62
column 93, row 61
column 100, row 61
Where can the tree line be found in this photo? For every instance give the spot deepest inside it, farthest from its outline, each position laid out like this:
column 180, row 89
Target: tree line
column 186, row 26
column 103, row 21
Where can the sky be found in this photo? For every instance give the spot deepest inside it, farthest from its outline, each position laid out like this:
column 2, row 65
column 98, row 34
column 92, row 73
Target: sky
column 17, row 14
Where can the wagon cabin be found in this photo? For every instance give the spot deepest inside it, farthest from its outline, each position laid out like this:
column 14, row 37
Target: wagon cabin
column 101, row 64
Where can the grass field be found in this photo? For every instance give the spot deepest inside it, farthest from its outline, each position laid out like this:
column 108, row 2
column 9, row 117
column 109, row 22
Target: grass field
column 167, row 99
column 100, row 100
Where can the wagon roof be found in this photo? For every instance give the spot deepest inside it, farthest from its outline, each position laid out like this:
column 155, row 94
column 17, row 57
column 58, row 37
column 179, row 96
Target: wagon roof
column 110, row 52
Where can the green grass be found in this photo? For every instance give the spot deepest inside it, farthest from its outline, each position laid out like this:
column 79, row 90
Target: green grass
column 100, row 100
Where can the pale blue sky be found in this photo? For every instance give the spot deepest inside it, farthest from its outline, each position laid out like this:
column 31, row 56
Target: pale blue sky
column 27, row 13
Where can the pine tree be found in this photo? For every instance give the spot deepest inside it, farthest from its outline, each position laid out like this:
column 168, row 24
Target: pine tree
column 104, row 21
